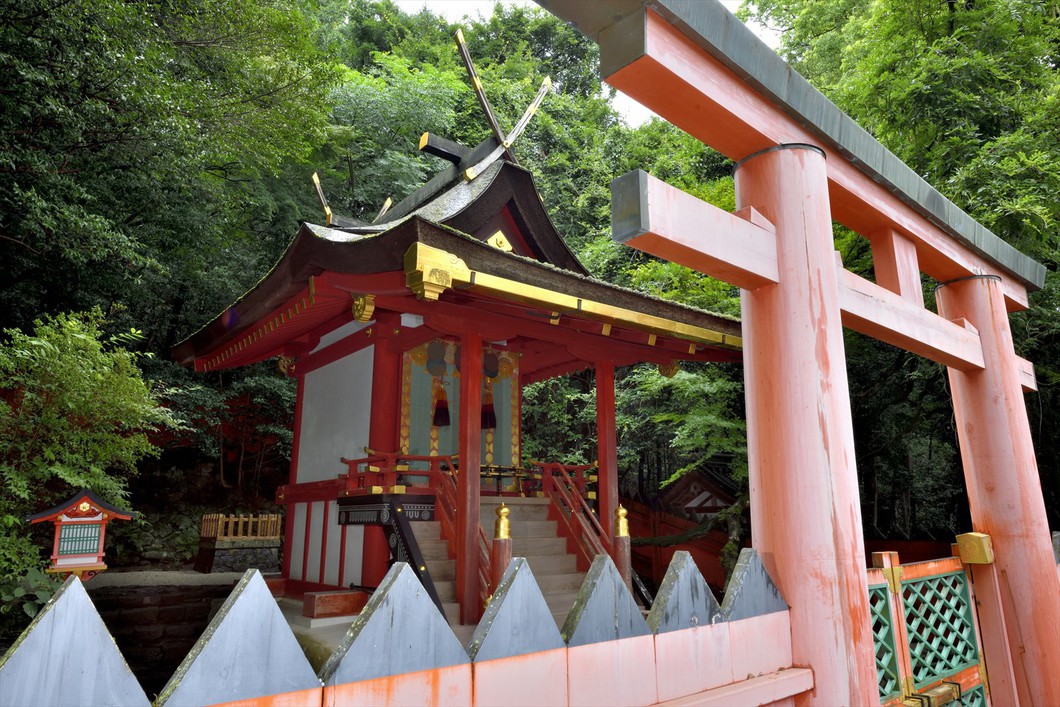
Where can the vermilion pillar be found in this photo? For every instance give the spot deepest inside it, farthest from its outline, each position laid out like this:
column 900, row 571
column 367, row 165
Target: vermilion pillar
column 805, row 510
column 606, row 443
column 467, row 493
column 382, row 434
column 1004, row 490
column 288, row 523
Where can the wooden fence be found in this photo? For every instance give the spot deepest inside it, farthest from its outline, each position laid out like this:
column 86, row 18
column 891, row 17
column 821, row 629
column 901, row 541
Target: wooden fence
column 218, row 526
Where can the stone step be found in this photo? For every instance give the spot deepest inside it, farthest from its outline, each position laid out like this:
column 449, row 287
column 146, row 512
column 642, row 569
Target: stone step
column 433, row 549
column 452, row 611
column 518, row 510
column 560, row 604
column 521, row 547
column 532, row 529
column 427, row 530
column 441, row 570
column 514, row 500
column 446, row 589
column 559, row 583
column 543, row 565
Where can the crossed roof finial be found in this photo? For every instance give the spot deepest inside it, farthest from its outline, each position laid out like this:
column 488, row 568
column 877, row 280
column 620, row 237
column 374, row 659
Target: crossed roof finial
column 504, row 141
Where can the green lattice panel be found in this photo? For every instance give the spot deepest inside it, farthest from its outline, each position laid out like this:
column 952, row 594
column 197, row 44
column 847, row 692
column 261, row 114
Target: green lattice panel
column 939, row 621
column 883, row 641
column 976, row 697
column 79, row 538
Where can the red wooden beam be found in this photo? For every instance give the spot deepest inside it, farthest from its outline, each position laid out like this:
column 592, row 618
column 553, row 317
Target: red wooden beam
column 648, row 58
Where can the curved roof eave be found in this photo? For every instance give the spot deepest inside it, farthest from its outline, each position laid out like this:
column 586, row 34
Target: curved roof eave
column 318, row 249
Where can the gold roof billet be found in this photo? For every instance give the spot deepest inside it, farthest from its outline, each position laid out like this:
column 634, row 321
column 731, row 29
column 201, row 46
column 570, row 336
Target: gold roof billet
column 497, row 240
column 429, row 271
column 363, row 307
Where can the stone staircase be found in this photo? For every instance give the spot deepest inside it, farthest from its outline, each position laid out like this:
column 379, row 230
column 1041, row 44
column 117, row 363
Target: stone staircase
column 533, row 537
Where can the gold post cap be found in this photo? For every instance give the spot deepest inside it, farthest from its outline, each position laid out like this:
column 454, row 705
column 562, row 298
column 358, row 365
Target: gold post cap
column 975, row 549
column 502, row 526
column 621, row 523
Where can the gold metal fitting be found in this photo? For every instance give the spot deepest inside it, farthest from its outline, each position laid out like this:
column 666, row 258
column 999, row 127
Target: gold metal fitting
column 363, row 307
column 975, row 548
column 621, row 522
column 502, row 527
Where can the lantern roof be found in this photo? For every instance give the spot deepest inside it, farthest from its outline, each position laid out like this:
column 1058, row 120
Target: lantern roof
column 74, row 504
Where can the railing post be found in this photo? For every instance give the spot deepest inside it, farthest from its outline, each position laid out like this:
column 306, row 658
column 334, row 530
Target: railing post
column 622, row 552
column 501, row 550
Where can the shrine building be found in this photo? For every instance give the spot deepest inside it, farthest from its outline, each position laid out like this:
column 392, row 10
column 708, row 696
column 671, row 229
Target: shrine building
column 412, row 338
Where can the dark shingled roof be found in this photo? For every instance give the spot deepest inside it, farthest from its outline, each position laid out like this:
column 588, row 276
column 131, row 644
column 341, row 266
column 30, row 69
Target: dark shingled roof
column 83, row 493
column 447, row 222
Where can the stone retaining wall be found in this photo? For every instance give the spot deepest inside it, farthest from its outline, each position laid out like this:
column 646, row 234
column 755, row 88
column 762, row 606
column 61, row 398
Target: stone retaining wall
column 155, row 627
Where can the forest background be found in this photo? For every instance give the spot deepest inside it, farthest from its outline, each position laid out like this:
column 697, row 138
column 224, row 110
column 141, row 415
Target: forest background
column 155, row 160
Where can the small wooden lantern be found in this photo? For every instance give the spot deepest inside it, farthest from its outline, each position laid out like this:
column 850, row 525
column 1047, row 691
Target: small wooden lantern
column 80, row 526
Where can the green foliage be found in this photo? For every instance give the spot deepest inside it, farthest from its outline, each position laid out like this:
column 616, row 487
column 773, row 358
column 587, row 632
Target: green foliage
column 125, row 129
column 27, row 594
column 377, row 119
column 696, row 414
column 76, row 411
column 559, row 419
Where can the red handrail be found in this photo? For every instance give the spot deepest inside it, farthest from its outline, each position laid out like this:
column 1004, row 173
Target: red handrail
column 384, row 469
column 446, row 503
column 581, row 524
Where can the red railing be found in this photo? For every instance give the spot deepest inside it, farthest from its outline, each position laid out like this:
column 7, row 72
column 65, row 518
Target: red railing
column 382, row 471
column 445, row 509
column 445, row 506
column 565, row 487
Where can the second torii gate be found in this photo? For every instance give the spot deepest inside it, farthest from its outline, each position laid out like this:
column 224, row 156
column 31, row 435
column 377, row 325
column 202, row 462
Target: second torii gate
column 800, row 164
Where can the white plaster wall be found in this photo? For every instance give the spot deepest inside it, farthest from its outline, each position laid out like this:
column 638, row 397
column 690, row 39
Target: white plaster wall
column 297, row 540
column 316, row 527
column 340, row 333
column 334, row 535
column 336, row 409
column 354, row 547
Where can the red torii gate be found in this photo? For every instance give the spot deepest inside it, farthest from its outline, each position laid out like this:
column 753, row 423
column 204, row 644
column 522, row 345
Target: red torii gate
column 801, row 164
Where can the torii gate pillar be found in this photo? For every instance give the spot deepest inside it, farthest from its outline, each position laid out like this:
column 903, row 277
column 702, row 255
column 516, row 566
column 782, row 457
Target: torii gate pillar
column 1004, row 489
column 805, row 509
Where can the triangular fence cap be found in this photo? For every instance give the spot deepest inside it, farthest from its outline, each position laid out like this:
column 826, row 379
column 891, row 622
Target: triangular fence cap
column 604, row 609
column 66, row 656
column 247, row 651
column 517, row 620
column 751, row 591
column 399, row 631
column 684, row 600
